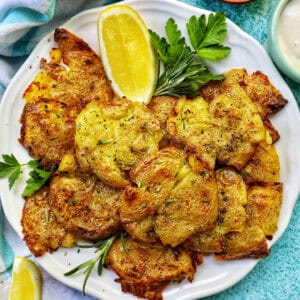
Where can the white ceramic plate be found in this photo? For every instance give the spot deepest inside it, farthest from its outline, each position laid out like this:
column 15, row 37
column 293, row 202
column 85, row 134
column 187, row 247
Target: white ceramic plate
column 211, row 277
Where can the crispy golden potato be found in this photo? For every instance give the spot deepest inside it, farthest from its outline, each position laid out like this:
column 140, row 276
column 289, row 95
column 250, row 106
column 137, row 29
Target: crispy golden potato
column 154, row 178
column 238, row 127
column 228, row 128
column 214, row 88
column 263, row 206
column 184, row 202
column 162, row 107
column 205, row 242
column 192, row 206
column 249, row 243
column 84, row 205
column 192, row 126
column 142, row 230
column 82, row 81
column 41, row 231
column 257, row 86
column 110, row 139
column 148, row 268
column 271, row 132
column 48, row 129
column 263, row 166
column 265, row 96
column 232, row 195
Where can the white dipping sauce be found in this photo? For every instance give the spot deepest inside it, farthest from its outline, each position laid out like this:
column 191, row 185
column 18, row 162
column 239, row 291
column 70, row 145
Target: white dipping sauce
column 289, row 33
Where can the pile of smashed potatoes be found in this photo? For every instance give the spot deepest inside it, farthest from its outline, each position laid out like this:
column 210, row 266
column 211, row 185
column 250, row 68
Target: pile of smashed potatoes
column 183, row 177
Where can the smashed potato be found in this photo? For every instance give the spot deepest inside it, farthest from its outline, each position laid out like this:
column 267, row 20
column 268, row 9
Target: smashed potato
column 41, row 231
column 82, row 81
column 110, row 139
column 148, row 268
column 181, row 201
column 48, row 130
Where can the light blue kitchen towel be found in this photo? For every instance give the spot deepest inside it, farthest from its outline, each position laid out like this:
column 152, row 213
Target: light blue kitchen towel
column 7, row 255
column 24, row 22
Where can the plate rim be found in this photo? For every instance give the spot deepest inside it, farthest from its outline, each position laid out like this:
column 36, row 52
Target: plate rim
column 292, row 101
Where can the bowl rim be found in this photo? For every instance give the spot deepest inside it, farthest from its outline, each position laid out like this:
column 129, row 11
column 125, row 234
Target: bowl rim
column 273, row 44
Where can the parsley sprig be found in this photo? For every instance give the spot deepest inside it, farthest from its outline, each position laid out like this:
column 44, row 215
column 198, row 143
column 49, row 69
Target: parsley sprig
column 184, row 70
column 11, row 168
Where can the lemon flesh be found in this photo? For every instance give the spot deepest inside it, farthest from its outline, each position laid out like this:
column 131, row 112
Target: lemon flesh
column 26, row 280
column 127, row 54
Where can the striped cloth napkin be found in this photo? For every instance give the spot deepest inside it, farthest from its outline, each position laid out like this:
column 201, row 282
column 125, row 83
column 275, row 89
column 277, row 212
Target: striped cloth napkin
column 22, row 24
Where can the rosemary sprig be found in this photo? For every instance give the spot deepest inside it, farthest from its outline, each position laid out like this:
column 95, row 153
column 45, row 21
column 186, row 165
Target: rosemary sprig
column 185, row 77
column 123, row 241
column 102, row 248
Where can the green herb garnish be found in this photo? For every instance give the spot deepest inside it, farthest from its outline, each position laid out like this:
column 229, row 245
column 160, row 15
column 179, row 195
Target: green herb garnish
column 11, row 168
column 46, row 215
column 169, row 201
column 101, row 142
column 123, row 241
column 102, row 248
column 184, row 71
column 207, row 36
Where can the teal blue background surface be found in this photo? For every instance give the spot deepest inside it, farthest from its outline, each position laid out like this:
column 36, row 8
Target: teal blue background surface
column 278, row 276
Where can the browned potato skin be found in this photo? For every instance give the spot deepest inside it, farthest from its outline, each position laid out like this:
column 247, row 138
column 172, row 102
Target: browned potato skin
column 191, row 126
column 162, row 107
column 148, row 268
column 263, row 166
column 194, row 209
column 154, row 178
column 266, row 97
column 41, row 232
column 84, row 205
column 183, row 202
column 142, row 230
column 238, row 126
column 263, row 207
column 83, row 82
column 205, row 242
column 111, row 138
column 274, row 134
column 250, row 243
column 232, row 195
column 48, row 129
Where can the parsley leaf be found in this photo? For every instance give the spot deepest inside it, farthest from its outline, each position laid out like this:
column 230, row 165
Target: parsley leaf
column 184, row 71
column 214, row 52
column 38, row 178
column 10, row 168
column 169, row 52
column 206, row 36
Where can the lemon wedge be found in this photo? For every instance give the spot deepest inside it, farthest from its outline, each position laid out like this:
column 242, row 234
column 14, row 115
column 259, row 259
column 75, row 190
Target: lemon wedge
column 126, row 52
column 26, row 280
